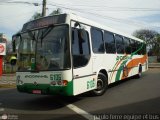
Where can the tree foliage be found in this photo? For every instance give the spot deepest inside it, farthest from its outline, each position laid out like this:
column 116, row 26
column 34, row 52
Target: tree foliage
column 39, row 15
column 148, row 35
column 56, row 12
column 36, row 16
column 152, row 39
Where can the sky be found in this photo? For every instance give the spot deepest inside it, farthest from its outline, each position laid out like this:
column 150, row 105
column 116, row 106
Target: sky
column 122, row 15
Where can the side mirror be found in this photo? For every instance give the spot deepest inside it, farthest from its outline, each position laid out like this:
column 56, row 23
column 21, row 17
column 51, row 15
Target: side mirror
column 77, row 24
column 15, row 42
column 82, row 35
column 13, row 46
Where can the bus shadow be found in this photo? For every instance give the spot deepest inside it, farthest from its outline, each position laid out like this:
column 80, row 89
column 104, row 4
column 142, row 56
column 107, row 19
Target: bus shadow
column 113, row 85
column 12, row 99
column 120, row 82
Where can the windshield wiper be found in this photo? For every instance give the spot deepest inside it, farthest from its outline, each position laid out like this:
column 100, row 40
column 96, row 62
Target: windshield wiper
column 32, row 35
column 41, row 36
column 45, row 33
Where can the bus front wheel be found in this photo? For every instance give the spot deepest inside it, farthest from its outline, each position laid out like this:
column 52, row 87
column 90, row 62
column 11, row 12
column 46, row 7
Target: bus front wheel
column 101, row 85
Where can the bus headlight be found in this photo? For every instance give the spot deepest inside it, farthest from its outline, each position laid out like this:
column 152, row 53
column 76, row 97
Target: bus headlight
column 53, row 83
column 59, row 83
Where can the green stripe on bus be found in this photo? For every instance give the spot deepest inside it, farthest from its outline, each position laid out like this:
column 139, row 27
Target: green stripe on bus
column 47, row 88
column 124, row 62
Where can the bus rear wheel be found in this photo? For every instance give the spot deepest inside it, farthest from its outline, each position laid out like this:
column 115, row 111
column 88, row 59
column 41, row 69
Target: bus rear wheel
column 101, row 85
column 139, row 72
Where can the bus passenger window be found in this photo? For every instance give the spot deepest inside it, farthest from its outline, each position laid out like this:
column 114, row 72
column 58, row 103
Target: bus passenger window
column 97, row 40
column 109, row 42
column 144, row 49
column 133, row 45
column 127, row 45
column 119, row 44
column 139, row 48
column 80, row 47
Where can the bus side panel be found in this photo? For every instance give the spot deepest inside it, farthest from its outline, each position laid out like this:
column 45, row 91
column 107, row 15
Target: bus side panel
column 85, row 84
column 109, row 64
column 126, row 66
column 83, row 79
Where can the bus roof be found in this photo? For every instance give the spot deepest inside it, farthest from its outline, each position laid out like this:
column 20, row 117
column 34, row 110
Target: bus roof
column 103, row 27
column 59, row 19
column 44, row 21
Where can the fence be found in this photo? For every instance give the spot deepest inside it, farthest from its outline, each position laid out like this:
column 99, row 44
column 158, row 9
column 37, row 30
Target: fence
column 8, row 68
column 152, row 59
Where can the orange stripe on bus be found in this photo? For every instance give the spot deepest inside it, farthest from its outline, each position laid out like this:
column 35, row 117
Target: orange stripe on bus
column 117, row 66
column 135, row 62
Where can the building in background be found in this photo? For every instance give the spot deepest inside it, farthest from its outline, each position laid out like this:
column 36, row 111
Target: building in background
column 10, row 56
column 3, row 42
column 3, row 38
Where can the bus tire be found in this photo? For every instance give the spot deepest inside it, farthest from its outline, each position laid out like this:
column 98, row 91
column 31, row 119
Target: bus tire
column 102, row 82
column 139, row 75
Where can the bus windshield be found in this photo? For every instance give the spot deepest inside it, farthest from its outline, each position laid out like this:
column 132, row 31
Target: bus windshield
column 44, row 49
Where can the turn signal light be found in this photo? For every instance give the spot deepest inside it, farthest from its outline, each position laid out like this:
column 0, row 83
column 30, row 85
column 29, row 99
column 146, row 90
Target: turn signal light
column 65, row 82
column 59, row 83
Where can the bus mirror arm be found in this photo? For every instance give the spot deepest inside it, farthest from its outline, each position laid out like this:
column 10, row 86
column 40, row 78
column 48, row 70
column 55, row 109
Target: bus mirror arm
column 13, row 46
column 77, row 24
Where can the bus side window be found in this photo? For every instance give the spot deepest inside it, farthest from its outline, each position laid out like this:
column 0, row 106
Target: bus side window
column 144, row 49
column 97, row 40
column 119, row 44
column 83, row 42
column 139, row 48
column 109, row 42
column 136, row 47
column 132, row 44
column 80, row 47
column 127, row 45
column 75, row 44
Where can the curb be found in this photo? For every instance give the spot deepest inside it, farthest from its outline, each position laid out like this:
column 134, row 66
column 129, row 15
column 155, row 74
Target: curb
column 9, row 74
column 4, row 89
column 154, row 65
column 7, row 82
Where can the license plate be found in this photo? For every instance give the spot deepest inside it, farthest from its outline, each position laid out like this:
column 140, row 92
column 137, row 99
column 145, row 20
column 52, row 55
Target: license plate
column 36, row 91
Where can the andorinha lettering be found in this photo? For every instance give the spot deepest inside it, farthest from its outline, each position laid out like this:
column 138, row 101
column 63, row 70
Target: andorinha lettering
column 123, row 57
column 36, row 76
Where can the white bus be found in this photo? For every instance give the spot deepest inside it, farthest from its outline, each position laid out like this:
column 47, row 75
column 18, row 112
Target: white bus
column 69, row 55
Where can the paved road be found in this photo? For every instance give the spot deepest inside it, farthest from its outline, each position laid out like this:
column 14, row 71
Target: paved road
column 133, row 96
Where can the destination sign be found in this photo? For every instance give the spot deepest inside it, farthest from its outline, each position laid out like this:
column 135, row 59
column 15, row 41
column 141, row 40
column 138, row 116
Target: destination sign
column 43, row 22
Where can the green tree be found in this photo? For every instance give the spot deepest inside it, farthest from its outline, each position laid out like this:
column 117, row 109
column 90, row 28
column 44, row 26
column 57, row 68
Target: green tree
column 56, row 12
column 36, row 16
column 151, row 38
column 157, row 47
column 39, row 15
